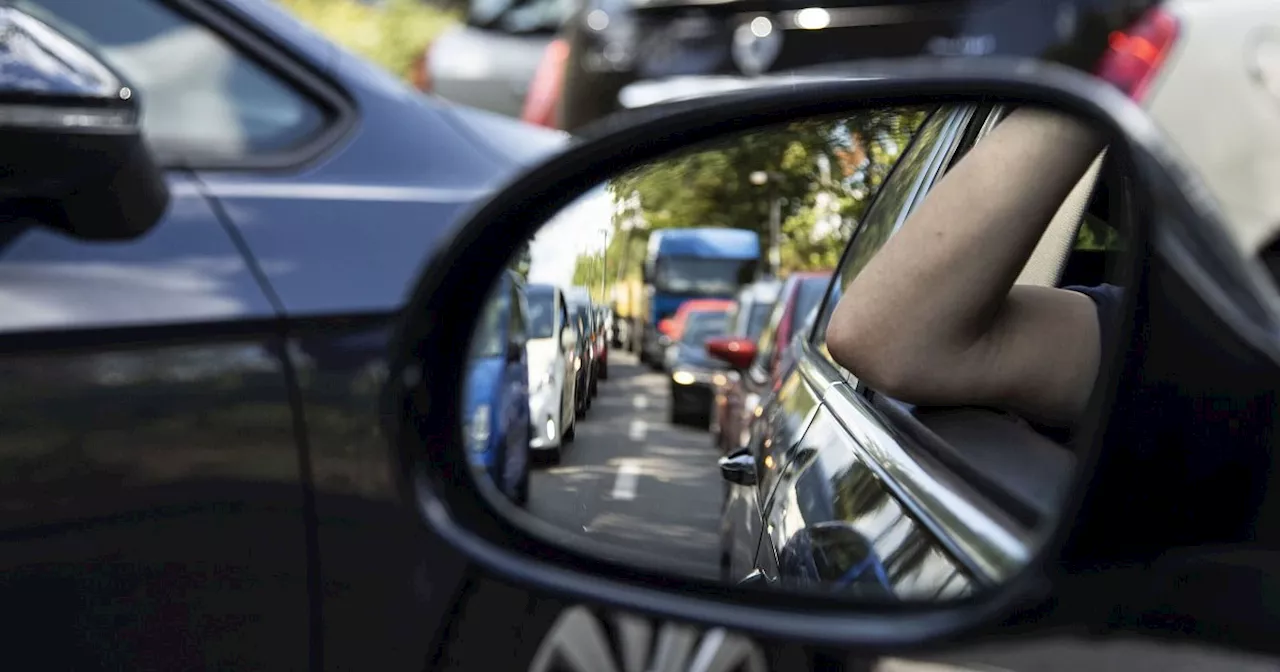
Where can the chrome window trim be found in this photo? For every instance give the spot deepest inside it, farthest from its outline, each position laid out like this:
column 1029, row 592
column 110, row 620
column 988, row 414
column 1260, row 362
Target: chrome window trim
column 983, row 538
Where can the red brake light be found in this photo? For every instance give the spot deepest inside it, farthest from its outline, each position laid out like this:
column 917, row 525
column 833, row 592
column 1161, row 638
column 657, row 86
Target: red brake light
column 420, row 70
column 544, row 91
column 1134, row 56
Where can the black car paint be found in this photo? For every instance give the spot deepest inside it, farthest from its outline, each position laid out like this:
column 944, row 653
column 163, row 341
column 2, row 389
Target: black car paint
column 689, row 38
column 196, row 469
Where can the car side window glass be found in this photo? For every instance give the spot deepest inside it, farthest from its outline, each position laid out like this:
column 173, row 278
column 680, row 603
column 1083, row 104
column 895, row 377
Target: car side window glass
column 201, row 98
column 884, row 215
column 765, row 345
column 518, row 332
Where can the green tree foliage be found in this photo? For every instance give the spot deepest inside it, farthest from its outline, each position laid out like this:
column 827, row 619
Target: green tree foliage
column 712, row 187
column 523, row 261
column 391, row 33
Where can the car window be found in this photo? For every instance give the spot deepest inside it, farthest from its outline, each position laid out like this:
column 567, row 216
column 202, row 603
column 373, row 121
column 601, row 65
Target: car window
column 517, row 332
column 808, row 296
column 542, row 306
column 200, row 97
column 758, row 318
column 490, row 341
column 703, row 325
column 884, row 215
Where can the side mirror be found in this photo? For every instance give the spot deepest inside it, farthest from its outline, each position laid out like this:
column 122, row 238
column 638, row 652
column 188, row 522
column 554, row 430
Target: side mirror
column 567, row 339
column 666, row 326
column 1005, row 528
column 737, row 352
column 69, row 124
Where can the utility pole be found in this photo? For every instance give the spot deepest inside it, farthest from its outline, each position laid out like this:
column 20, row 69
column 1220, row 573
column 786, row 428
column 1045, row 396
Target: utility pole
column 761, row 178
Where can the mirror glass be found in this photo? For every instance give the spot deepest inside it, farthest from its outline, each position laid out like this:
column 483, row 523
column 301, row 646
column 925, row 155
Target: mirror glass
column 828, row 378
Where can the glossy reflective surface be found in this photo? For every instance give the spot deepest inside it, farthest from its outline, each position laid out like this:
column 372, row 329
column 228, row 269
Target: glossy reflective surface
column 714, row 435
column 35, row 61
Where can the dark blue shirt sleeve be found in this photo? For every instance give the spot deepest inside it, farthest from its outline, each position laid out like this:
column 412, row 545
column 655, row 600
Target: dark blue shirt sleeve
column 1109, row 299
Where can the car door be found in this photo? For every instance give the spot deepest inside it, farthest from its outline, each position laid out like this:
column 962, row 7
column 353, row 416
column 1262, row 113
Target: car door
column 836, row 524
column 154, row 504
column 516, row 385
column 776, row 429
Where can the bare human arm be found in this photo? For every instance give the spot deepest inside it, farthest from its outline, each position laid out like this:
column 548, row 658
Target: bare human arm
column 934, row 317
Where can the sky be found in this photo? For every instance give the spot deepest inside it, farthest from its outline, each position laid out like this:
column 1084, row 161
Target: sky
column 575, row 230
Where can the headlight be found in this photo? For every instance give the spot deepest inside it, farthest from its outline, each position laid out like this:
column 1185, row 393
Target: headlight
column 688, row 376
column 480, row 428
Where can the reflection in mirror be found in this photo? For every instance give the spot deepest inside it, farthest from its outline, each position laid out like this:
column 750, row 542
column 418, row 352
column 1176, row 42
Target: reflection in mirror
column 796, row 358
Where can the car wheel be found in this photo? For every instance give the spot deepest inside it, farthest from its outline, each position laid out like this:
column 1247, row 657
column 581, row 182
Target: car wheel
column 604, row 372
column 583, row 640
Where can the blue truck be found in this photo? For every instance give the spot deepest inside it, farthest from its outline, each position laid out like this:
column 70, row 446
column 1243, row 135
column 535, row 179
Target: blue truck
column 684, row 264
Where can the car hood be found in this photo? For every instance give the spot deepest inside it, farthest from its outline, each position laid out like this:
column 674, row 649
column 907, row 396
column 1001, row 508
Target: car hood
column 484, row 375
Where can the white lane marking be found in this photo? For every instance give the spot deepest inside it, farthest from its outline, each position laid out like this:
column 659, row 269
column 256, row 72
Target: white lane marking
column 624, row 486
column 640, row 401
column 638, row 429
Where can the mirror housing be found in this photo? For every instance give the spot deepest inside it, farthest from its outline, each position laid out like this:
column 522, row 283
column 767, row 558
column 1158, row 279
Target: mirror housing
column 1106, row 557
column 567, row 339
column 86, row 169
column 737, row 352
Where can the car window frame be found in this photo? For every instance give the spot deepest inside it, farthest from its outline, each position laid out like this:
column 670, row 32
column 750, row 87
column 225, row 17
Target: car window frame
column 282, row 63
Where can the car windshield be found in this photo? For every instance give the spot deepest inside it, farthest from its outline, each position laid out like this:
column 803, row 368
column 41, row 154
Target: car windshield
column 542, row 313
column 758, row 318
column 703, row 325
column 517, row 16
column 490, row 338
column 693, row 274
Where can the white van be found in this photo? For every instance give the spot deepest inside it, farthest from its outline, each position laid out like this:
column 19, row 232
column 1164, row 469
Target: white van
column 552, row 383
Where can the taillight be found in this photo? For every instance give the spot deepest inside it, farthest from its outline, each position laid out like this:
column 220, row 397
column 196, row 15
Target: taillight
column 1134, row 56
column 420, row 70
column 544, row 91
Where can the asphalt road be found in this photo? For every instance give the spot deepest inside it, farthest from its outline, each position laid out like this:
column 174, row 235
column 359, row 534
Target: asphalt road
column 634, row 481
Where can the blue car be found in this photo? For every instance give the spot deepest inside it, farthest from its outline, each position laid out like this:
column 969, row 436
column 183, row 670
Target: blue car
column 497, row 391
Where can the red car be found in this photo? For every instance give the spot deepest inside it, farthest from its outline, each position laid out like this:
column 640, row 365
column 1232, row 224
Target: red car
column 758, row 363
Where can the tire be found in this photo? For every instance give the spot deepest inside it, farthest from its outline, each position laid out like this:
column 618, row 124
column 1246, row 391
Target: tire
column 679, row 417
column 604, row 372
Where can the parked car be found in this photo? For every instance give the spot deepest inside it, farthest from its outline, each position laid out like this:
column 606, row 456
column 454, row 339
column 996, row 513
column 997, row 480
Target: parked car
column 814, row 423
column 756, row 361
column 580, row 318
column 580, row 304
column 553, row 353
column 226, row 455
column 603, row 330
column 497, row 394
column 694, row 373
column 674, row 40
column 489, row 59
column 672, row 328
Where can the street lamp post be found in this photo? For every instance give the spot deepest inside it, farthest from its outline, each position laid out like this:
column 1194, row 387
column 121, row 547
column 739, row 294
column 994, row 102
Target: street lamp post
column 760, row 178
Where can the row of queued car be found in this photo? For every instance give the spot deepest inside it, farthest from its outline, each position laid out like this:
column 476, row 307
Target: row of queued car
column 723, row 356
column 536, row 363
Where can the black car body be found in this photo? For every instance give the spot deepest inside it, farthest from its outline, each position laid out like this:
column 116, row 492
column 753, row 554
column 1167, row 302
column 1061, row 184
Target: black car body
column 694, row 373
column 584, row 357
column 663, row 39
column 196, row 472
column 830, row 451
